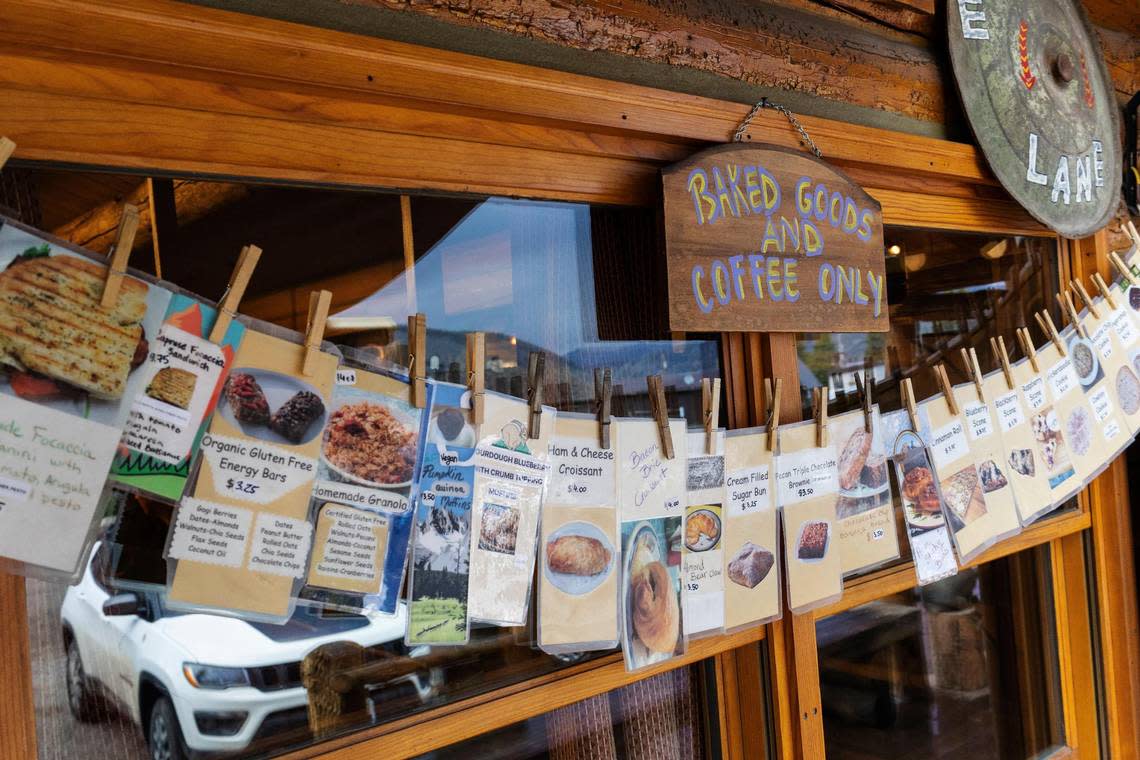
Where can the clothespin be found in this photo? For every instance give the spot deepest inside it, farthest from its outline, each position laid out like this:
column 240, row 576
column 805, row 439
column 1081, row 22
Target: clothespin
column 417, row 358
column 660, row 413
column 1079, row 287
column 1130, row 229
column 319, row 301
column 998, row 347
column 863, row 385
column 774, row 421
column 1066, row 302
column 973, row 370
column 710, row 404
column 767, row 398
column 476, row 379
column 1028, row 347
column 947, row 389
column 906, row 388
column 820, row 394
column 7, row 148
column 1105, row 291
column 603, row 382
column 1121, row 267
column 239, row 279
column 120, row 253
column 1050, row 329
column 536, row 374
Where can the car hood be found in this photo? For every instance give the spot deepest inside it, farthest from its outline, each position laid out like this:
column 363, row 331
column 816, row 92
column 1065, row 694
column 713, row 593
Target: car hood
column 225, row 641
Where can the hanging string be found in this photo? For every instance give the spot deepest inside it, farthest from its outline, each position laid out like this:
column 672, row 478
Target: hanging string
column 805, row 138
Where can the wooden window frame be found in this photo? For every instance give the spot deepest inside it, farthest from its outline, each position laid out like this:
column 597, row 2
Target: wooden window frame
column 163, row 88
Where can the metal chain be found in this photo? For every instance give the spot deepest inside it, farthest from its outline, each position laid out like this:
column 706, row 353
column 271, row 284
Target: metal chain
column 765, row 103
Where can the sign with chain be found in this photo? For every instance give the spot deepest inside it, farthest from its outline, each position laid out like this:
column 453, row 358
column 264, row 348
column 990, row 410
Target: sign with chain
column 762, row 238
column 1037, row 94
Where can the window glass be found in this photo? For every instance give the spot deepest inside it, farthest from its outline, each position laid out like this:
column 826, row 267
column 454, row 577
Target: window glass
column 965, row 667
column 583, row 284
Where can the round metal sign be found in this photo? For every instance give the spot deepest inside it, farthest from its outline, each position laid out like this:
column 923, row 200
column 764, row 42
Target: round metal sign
column 1039, row 99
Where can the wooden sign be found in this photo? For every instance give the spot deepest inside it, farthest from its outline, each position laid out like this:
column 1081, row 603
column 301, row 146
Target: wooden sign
column 761, row 238
column 1042, row 106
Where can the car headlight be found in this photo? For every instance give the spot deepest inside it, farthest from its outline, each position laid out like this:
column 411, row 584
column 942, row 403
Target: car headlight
column 214, row 677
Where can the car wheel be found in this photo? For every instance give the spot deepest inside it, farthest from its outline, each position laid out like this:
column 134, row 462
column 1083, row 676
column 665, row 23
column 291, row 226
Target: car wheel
column 164, row 735
column 81, row 698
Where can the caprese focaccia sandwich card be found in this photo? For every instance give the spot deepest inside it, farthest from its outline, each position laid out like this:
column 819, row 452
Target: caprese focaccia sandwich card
column 751, row 540
column 702, row 551
column 579, row 551
column 361, row 506
column 69, row 369
column 864, row 514
column 240, row 543
column 182, row 380
column 807, row 489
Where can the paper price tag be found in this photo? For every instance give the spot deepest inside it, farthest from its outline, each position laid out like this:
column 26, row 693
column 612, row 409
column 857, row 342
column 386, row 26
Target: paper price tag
column 1034, row 392
column 948, row 444
column 978, row 420
column 582, row 473
column 1009, row 411
column 1101, row 404
column 1102, row 340
column 1125, row 329
column 1062, row 378
column 346, row 376
column 748, row 491
column 806, row 474
column 1110, row 430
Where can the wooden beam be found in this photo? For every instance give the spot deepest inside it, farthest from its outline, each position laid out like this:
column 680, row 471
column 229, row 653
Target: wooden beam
column 163, row 216
column 17, row 700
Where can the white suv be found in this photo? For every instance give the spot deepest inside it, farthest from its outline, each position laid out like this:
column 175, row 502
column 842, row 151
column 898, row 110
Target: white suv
column 197, row 683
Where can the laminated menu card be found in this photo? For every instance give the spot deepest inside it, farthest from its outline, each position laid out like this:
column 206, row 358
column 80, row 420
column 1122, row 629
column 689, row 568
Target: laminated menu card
column 1023, row 461
column 1070, row 424
column 1107, row 427
column 181, row 382
column 1120, row 382
column 930, row 546
column 864, row 515
column 241, row 541
column 441, row 539
column 751, row 532
column 987, row 450
column 1050, row 446
column 579, row 550
column 955, row 469
column 702, row 552
column 651, row 495
column 807, row 489
column 360, row 506
column 511, row 472
column 69, row 369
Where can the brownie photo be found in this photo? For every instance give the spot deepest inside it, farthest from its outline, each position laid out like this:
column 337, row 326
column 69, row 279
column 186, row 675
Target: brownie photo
column 813, row 540
column 295, row 415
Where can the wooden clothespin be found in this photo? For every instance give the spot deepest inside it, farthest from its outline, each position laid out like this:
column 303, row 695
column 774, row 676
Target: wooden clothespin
column 1083, row 294
column 476, row 378
column 863, row 384
column 906, row 388
column 774, row 421
column 820, row 395
column 947, row 389
column 239, row 279
column 1130, row 230
column 536, row 377
column 1028, row 347
column 120, row 254
column 710, row 404
column 417, row 358
column 660, row 413
column 1105, row 291
column 973, row 370
column 1069, row 308
column 7, row 148
column 319, row 302
column 1050, row 330
column 1002, row 358
column 1121, row 267
column 603, row 393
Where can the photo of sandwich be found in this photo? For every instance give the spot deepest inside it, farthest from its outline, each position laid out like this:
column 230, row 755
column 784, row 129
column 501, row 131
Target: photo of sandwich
column 173, row 386
column 272, row 406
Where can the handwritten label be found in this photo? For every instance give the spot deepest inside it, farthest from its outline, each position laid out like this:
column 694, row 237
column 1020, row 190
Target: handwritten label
column 703, row 572
column 651, row 486
column 360, row 496
column 933, row 555
column 1009, row 411
column 948, row 444
column 212, row 533
column 748, row 491
column 978, row 420
column 1102, row 340
column 1125, row 329
column 806, row 474
column 351, row 547
column 1062, row 378
column 346, row 376
column 582, row 473
column 1110, row 430
column 1101, row 404
column 280, row 545
column 1034, row 392
column 255, row 471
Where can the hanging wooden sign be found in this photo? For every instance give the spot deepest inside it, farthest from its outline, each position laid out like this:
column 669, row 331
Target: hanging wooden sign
column 1037, row 94
column 762, row 238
